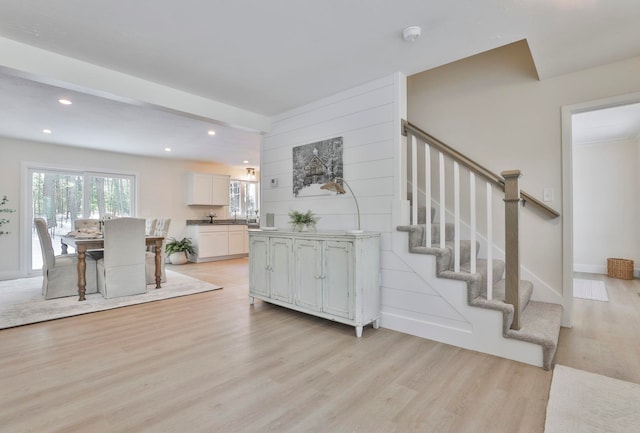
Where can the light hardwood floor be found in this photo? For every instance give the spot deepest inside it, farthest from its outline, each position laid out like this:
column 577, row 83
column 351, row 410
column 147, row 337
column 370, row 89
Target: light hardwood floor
column 212, row 363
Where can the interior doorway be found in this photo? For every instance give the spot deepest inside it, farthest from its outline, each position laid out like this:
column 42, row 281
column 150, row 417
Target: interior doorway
column 600, row 152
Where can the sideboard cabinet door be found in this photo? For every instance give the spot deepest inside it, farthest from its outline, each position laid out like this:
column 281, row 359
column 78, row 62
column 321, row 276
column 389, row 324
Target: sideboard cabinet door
column 280, row 269
column 308, row 274
column 259, row 273
column 338, row 279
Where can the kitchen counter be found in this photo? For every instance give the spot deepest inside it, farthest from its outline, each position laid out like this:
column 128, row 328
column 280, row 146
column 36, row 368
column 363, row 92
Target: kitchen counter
column 216, row 222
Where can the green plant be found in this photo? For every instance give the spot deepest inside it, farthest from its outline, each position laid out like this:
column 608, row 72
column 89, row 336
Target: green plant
column 4, row 209
column 308, row 218
column 176, row 246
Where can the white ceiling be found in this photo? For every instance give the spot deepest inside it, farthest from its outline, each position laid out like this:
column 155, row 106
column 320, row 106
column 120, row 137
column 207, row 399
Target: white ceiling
column 108, row 124
column 268, row 57
column 621, row 123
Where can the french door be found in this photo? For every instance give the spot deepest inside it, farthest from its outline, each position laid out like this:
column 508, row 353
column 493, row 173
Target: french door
column 62, row 196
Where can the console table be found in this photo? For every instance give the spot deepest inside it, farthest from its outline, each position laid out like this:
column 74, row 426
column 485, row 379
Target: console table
column 334, row 275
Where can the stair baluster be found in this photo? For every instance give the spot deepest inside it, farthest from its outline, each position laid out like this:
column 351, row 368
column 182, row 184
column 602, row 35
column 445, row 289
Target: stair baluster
column 427, row 190
column 443, row 210
column 472, row 221
column 456, row 216
column 489, row 242
column 414, row 179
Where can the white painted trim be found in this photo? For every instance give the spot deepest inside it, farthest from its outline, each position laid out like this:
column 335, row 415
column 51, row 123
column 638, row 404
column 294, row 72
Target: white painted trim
column 567, row 190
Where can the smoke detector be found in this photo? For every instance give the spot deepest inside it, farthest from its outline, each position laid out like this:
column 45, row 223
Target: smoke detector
column 410, row 34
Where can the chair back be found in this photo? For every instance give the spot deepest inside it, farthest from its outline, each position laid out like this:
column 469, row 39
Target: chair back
column 48, row 255
column 150, row 226
column 162, row 227
column 124, row 242
column 124, row 258
column 86, row 224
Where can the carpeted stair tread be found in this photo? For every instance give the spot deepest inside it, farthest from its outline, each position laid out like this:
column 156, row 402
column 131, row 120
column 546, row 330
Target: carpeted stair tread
column 417, row 236
column 539, row 321
column 525, row 290
column 540, row 324
column 481, row 268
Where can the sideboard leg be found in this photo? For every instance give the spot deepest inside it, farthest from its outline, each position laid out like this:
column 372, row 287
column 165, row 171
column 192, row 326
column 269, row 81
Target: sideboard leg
column 376, row 324
column 251, row 300
column 358, row 331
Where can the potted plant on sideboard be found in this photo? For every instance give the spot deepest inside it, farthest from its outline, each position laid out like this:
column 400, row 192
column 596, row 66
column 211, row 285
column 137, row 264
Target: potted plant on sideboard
column 302, row 222
column 177, row 250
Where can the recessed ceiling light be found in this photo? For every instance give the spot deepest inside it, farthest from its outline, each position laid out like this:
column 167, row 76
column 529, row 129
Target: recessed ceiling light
column 46, row 131
column 167, row 149
column 245, row 162
column 64, row 101
column 211, row 132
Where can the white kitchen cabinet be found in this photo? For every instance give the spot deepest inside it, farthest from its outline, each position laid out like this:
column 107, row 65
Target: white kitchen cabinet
column 207, row 189
column 218, row 241
column 334, row 275
column 238, row 239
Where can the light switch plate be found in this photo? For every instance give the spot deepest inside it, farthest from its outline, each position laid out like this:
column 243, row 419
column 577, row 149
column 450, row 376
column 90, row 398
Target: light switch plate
column 274, row 182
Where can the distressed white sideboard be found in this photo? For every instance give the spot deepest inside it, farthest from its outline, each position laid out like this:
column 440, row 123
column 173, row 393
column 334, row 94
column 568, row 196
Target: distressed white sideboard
column 334, row 275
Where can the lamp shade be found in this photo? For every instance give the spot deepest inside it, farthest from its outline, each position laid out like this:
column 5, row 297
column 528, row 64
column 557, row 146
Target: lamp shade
column 337, row 188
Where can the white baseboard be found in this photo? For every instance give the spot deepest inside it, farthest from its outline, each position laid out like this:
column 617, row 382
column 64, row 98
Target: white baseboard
column 600, row 269
column 590, row 269
column 10, row 275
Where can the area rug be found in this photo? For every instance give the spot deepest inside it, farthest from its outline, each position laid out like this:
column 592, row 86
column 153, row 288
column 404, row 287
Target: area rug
column 582, row 402
column 21, row 300
column 589, row 289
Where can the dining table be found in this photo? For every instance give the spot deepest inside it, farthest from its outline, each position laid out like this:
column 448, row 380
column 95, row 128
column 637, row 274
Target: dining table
column 84, row 244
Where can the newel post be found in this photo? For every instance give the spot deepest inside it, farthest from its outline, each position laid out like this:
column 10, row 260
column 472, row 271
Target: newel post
column 512, row 248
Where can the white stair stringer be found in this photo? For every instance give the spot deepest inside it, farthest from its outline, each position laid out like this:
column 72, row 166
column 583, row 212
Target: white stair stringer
column 474, row 328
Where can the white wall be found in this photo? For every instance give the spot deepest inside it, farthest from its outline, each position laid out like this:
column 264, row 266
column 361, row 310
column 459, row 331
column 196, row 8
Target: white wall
column 161, row 187
column 492, row 108
column 605, row 204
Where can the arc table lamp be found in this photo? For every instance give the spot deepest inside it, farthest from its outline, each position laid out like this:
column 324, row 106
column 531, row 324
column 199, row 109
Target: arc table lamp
column 338, row 189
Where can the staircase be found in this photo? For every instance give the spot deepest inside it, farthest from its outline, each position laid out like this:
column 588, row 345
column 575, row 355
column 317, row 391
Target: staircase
column 539, row 321
column 498, row 313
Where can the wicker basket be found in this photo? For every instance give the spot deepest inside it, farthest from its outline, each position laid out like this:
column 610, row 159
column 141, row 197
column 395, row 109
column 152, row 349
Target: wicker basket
column 620, row 268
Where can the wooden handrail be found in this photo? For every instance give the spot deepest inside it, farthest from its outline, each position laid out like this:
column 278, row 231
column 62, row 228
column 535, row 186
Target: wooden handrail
column 487, row 174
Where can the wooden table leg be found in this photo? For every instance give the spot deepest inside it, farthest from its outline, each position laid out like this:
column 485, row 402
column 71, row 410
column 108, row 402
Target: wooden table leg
column 158, row 263
column 82, row 272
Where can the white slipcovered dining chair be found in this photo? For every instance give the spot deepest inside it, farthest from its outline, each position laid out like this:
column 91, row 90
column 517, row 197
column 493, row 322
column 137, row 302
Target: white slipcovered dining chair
column 150, row 226
column 60, row 273
column 121, row 272
column 86, row 225
column 160, row 228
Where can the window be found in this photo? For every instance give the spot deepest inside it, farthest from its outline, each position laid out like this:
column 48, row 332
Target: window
column 62, row 196
column 243, row 199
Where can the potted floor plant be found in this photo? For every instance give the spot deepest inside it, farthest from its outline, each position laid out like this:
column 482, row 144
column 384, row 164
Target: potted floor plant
column 178, row 250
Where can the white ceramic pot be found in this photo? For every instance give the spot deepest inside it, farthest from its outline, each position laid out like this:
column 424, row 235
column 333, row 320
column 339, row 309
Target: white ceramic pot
column 179, row 258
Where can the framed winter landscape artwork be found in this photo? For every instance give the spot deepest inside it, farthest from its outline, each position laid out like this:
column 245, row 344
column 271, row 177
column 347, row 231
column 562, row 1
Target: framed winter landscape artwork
column 315, row 164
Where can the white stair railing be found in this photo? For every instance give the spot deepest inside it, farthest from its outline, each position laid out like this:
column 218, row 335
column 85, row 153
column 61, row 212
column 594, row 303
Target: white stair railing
column 512, row 199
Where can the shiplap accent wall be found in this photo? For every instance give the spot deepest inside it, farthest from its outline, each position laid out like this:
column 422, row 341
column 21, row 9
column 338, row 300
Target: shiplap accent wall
column 365, row 117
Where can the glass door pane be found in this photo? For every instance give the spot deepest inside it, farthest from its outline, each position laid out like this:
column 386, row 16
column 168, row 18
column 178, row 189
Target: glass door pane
column 56, row 197
column 109, row 196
